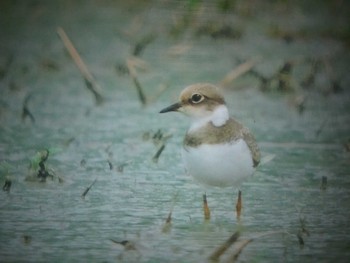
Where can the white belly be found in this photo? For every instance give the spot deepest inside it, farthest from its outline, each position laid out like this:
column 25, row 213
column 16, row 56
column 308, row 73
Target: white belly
column 219, row 165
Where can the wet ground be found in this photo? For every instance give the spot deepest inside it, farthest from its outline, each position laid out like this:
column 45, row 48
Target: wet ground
column 100, row 182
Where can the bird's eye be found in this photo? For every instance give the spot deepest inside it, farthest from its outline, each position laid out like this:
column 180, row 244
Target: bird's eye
column 197, row 98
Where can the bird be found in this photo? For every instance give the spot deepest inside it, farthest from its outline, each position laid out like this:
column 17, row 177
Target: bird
column 217, row 150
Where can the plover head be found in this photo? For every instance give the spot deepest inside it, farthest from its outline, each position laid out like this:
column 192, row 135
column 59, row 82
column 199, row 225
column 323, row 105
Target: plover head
column 202, row 102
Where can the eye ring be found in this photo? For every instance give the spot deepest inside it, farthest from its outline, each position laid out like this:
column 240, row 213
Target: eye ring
column 197, row 98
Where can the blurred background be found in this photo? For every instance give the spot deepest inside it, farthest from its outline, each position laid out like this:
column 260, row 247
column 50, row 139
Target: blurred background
column 86, row 161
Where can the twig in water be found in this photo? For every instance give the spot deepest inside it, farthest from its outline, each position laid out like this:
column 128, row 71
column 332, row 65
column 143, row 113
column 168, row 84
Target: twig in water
column 244, row 243
column 121, row 166
column 324, row 183
column 43, row 173
column 140, row 92
column 167, row 224
column 158, row 153
column 238, row 71
column 82, row 162
column 142, row 43
column 88, row 189
column 25, row 110
column 125, row 243
column 88, row 78
column 133, row 75
column 320, row 129
column 92, row 86
column 240, row 248
column 300, row 239
column 303, row 226
column 221, row 249
column 110, row 165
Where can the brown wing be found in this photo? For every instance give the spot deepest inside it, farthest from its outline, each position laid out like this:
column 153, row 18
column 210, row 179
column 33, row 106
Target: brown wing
column 253, row 147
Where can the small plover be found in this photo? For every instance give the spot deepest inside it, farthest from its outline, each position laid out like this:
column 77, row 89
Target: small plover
column 217, row 149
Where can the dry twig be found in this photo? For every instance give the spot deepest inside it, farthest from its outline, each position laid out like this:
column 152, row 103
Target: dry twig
column 238, row 71
column 90, row 82
column 226, row 245
column 88, row 189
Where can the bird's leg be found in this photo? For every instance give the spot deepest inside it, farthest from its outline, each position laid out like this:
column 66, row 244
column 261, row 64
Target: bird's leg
column 239, row 204
column 206, row 208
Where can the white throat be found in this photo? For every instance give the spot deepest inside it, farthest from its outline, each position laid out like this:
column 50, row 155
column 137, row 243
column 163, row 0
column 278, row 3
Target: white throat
column 218, row 117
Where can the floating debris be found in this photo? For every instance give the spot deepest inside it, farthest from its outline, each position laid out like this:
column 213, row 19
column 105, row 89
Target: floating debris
column 108, row 151
column 303, row 226
column 215, row 256
column 88, row 188
column 82, row 162
column 60, row 179
column 300, row 239
column 324, row 183
column 38, row 172
column 167, row 226
column 121, row 166
column 7, row 185
column 128, row 245
column 142, row 43
column 110, row 165
column 26, row 239
column 43, row 173
column 49, row 64
column 88, row 78
column 158, row 153
column 25, row 110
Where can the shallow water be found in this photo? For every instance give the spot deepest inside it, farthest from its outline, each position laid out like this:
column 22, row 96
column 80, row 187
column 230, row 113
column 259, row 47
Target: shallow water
column 41, row 222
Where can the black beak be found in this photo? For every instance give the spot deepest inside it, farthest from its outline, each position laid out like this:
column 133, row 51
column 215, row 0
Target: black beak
column 173, row 107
